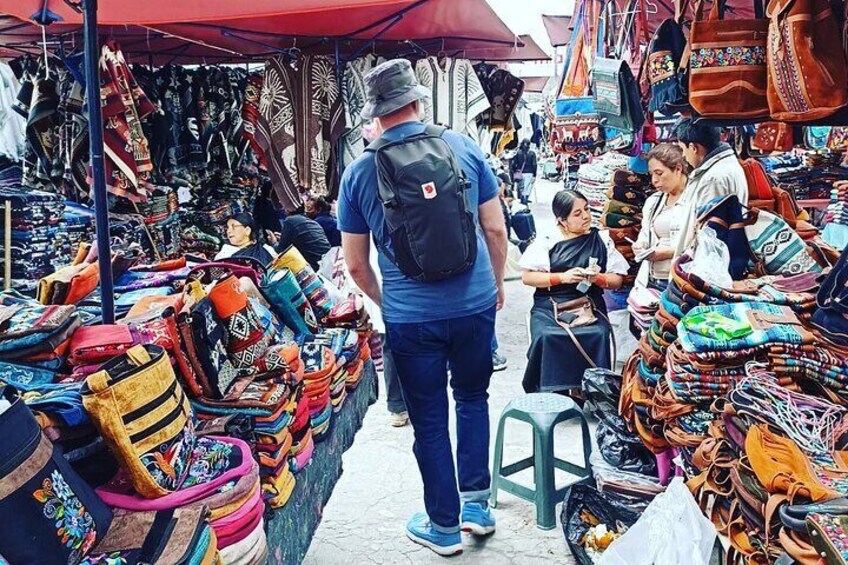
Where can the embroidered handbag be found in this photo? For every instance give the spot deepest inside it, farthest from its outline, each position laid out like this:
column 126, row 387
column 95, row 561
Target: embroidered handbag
column 807, row 75
column 309, row 282
column 145, row 417
column 577, row 127
column 50, row 515
column 664, row 55
column 727, row 66
column 773, row 136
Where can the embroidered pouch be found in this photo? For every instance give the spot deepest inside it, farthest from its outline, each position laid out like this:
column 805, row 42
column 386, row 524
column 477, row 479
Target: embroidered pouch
column 42, row 498
column 145, row 417
column 773, row 136
column 215, row 462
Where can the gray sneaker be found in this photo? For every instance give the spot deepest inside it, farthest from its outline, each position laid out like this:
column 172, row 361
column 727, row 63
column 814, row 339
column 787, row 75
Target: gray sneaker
column 498, row 362
column 399, row 419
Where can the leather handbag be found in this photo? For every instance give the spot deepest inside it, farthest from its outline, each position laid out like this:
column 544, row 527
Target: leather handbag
column 807, row 71
column 727, row 65
column 574, row 314
column 145, row 417
column 773, row 136
column 49, row 514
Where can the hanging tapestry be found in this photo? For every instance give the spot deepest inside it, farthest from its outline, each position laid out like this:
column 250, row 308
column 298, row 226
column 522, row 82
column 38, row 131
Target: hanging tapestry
column 458, row 97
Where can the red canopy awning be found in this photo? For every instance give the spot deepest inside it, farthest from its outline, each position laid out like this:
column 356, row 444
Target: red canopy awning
column 558, row 28
column 237, row 29
column 535, row 84
column 530, row 51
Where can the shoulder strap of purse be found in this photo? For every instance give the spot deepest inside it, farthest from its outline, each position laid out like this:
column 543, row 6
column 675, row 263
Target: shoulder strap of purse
column 579, row 347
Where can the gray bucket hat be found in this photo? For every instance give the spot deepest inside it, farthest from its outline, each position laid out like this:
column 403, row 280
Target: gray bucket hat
column 390, row 86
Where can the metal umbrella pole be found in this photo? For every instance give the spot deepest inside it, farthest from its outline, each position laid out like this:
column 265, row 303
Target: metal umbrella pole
column 98, row 169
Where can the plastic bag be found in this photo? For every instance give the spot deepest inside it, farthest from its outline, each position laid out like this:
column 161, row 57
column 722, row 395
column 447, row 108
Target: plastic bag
column 585, row 507
column 622, row 448
column 619, row 447
column 671, row 531
column 633, row 490
column 712, row 259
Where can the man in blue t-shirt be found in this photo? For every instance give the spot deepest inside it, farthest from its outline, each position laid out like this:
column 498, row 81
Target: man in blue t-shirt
column 432, row 324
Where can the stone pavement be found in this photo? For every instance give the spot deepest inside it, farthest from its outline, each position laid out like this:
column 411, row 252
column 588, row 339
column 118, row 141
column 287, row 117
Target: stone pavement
column 381, row 487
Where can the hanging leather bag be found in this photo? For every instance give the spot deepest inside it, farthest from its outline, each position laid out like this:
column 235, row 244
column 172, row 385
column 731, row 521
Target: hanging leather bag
column 807, row 71
column 727, row 65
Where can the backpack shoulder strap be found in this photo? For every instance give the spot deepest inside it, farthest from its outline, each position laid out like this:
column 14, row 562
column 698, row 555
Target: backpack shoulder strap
column 429, row 130
column 434, row 130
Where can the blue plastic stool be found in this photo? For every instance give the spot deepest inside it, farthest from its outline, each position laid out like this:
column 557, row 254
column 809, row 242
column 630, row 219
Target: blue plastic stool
column 543, row 411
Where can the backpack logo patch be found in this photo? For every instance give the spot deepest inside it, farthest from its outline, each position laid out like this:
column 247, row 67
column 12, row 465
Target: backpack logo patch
column 429, row 190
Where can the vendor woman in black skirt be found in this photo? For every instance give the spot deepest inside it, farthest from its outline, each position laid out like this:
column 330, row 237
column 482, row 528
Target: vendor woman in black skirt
column 580, row 261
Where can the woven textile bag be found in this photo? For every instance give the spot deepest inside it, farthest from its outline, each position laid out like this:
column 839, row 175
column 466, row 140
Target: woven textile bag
column 807, row 72
column 727, row 66
column 145, row 417
column 49, row 514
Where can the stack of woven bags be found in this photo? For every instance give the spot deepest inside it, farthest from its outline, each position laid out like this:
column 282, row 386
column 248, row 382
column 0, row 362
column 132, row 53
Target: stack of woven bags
column 748, row 385
column 211, row 393
column 593, row 179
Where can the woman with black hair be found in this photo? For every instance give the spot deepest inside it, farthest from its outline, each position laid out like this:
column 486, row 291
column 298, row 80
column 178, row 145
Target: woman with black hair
column 523, row 167
column 244, row 241
column 579, row 262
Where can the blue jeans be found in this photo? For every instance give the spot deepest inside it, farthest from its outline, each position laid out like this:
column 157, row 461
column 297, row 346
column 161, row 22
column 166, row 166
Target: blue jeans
column 394, row 393
column 421, row 353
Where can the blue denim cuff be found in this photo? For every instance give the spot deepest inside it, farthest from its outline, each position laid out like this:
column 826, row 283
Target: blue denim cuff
column 476, row 496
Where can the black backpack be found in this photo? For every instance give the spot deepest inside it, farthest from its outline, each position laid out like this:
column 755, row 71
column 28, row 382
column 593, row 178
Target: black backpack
column 423, row 190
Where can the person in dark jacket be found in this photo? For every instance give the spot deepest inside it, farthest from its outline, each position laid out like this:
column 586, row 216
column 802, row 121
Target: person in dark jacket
column 319, row 210
column 523, row 168
column 305, row 234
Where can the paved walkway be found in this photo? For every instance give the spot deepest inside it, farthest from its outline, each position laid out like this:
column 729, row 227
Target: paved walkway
column 380, row 488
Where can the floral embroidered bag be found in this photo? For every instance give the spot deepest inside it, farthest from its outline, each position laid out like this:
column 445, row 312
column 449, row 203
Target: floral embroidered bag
column 663, row 63
column 141, row 411
column 41, row 497
column 727, row 65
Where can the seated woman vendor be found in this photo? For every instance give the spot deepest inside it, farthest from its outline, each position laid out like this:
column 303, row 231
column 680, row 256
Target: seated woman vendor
column 663, row 215
column 579, row 262
column 241, row 233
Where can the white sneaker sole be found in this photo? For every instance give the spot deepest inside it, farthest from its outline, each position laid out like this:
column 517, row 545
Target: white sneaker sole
column 477, row 529
column 443, row 550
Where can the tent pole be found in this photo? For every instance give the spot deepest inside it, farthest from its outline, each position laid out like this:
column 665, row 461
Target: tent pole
column 98, row 169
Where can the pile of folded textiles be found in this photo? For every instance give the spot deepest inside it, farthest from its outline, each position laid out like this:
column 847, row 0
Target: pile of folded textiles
column 39, row 236
column 594, row 179
column 46, row 493
column 195, row 241
column 837, row 210
column 79, row 221
column 674, row 375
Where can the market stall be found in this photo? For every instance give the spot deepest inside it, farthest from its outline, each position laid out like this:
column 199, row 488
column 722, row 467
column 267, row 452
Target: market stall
column 736, row 383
